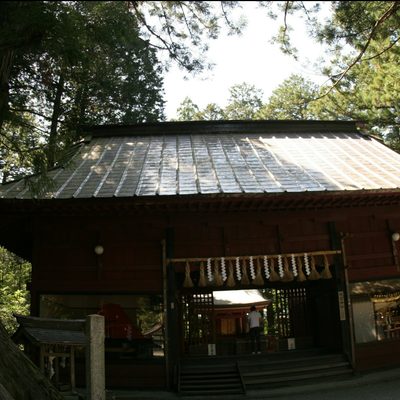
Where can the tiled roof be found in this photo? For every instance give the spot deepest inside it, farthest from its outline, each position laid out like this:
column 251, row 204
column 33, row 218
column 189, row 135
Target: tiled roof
column 47, row 330
column 229, row 158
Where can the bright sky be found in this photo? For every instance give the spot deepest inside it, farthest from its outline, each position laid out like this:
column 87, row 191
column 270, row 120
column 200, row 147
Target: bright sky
column 247, row 59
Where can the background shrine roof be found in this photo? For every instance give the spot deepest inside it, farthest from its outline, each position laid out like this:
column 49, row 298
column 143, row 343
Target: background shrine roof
column 239, row 299
column 221, row 158
column 47, row 330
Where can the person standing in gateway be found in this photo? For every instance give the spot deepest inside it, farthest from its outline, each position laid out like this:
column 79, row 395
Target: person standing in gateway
column 254, row 320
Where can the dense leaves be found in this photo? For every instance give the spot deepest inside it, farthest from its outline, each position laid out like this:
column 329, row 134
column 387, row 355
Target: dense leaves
column 293, row 99
column 84, row 63
column 245, row 102
column 181, row 30
column 290, row 100
column 363, row 38
column 64, row 64
column 14, row 298
column 361, row 67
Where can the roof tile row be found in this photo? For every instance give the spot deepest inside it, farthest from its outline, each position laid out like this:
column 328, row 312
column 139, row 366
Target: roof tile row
column 222, row 163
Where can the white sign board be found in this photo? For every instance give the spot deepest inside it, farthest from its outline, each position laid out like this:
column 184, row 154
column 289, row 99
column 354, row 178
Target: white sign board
column 291, row 343
column 342, row 307
column 211, row 350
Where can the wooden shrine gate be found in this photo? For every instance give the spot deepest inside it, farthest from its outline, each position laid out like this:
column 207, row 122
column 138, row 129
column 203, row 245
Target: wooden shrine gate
column 198, row 324
column 301, row 311
column 293, row 318
column 291, row 312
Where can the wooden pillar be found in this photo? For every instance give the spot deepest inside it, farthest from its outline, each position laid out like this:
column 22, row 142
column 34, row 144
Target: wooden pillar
column 166, row 324
column 173, row 322
column 341, row 289
column 72, row 368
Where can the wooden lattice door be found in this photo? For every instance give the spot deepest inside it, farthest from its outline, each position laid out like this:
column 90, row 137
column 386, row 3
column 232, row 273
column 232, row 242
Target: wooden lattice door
column 292, row 316
column 198, row 323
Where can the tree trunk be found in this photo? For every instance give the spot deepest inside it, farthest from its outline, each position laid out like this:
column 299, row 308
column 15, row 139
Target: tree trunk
column 20, row 379
column 54, row 122
column 6, row 60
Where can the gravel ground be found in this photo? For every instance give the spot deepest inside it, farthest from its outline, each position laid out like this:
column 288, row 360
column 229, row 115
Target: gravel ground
column 375, row 385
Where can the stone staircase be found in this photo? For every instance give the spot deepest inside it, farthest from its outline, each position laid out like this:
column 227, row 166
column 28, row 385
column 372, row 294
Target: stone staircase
column 293, row 369
column 210, row 377
column 236, row 374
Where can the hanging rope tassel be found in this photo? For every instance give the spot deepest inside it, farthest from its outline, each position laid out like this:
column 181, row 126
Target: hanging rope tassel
column 287, row 274
column 223, row 270
column 209, row 271
column 274, row 276
column 245, row 278
column 231, row 280
column 306, row 265
column 314, row 275
column 266, row 267
column 238, row 272
column 301, row 277
column 217, row 281
column 294, row 266
column 280, row 266
column 202, row 280
column 258, row 280
column 326, row 273
column 188, row 280
column 252, row 272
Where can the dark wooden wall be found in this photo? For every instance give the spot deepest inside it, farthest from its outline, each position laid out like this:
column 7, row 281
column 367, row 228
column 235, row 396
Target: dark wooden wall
column 368, row 247
column 377, row 355
column 244, row 235
column 64, row 260
column 64, row 257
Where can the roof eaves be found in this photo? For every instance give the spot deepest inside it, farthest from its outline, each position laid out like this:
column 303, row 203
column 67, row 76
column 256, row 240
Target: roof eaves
column 220, row 126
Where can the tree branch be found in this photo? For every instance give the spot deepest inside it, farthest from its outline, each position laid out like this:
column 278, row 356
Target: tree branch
column 383, row 18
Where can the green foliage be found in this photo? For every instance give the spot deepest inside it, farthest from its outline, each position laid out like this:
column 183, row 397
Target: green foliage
column 271, row 327
column 213, row 112
column 363, row 37
column 14, row 297
column 244, row 103
column 85, row 64
column 357, row 22
column 68, row 64
column 182, row 29
column 293, row 99
column 150, row 312
column 286, row 10
column 364, row 80
column 290, row 100
column 188, row 111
